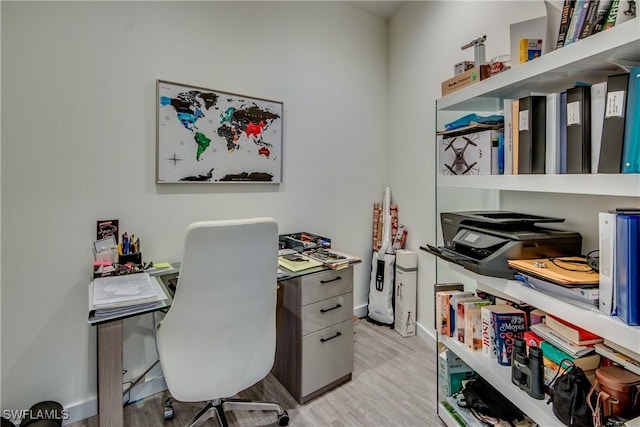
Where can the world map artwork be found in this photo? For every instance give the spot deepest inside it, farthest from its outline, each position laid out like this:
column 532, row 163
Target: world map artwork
column 212, row 136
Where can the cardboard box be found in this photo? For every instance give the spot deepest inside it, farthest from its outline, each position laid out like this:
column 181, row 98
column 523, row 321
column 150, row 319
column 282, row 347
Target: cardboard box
column 465, row 79
column 463, row 66
column 451, row 372
column 468, row 154
column 405, row 292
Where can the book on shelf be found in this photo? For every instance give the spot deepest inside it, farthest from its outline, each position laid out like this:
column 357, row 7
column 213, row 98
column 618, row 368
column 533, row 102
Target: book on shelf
column 565, row 21
column 507, row 325
column 589, row 20
column 297, row 262
column 332, row 258
column 601, row 15
column 577, row 21
column 444, row 318
column 557, row 340
column 613, row 125
column 579, row 130
column 620, row 11
column 556, row 355
column 616, row 355
column 457, row 319
column 470, row 330
column 573, row 333
column 627, row 270
column 631, row 144
column 623, row 356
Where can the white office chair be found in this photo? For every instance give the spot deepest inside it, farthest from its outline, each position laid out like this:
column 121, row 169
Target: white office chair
column 219, row 335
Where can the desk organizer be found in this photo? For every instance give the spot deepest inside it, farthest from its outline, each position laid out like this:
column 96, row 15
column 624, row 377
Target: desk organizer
column 303, row 241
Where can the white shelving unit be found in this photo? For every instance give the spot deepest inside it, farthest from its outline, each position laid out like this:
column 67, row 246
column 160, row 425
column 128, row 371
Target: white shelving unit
column 589, row 60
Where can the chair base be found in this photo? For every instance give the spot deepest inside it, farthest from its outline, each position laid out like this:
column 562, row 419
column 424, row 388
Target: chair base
column 216, row 408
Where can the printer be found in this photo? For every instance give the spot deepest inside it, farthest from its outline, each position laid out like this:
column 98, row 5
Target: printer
column 483, row 241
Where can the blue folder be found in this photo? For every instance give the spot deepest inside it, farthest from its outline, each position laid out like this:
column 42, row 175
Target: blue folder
column 626, row 269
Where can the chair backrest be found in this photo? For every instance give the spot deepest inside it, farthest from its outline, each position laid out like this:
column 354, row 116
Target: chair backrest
column 219, row 335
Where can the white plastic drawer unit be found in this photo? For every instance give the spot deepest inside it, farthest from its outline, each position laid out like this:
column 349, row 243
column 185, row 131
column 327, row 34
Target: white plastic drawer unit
column 325, row 313
column 325, row 284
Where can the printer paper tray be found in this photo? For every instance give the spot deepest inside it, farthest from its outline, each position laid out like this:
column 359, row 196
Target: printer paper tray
column 451, row 256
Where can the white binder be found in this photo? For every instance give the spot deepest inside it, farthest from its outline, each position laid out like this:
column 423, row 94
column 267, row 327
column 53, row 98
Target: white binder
column 606, row 263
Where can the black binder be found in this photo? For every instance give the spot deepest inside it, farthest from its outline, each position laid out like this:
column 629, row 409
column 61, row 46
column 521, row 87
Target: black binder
column 579, row 129
column 613, row 125
column 532, row 134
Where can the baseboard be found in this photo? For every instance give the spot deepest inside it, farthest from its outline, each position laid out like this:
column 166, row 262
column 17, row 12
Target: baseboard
column 88, row 409
column 427, row 336
column 361, row 310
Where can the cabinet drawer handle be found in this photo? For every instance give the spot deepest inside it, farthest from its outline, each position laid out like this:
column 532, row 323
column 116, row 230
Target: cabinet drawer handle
column 331, row 280
column 330, row 338
column 324, row 310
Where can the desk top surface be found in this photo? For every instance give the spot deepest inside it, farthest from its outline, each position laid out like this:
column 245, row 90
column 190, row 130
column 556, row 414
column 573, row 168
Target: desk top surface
column 163, row 279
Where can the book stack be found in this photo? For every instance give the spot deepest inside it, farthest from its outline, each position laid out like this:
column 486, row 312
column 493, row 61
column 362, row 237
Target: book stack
column 562, row 341
column 622, row 356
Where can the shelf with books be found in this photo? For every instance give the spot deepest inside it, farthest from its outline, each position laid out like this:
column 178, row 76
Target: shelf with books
column 625, row 185
column 608, row 327
column 589, row 60
column 500, row 377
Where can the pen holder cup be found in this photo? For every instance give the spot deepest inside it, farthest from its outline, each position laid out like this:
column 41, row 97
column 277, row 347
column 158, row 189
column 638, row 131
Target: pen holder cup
column 135, row 258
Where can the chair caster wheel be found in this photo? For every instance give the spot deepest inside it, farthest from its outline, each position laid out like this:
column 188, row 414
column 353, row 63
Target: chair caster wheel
column 167, row 413
column 283, row 420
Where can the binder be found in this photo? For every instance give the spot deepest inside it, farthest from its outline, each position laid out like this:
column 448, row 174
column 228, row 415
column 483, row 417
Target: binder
column 598, row 101
column 563, row 133
column 515, row 132
column 552, row 163
column 613, row 124
column 627, row 260
column 532, row 134
column 606, row 261
column 631, row 144
column 579, row 129
column 508, row 136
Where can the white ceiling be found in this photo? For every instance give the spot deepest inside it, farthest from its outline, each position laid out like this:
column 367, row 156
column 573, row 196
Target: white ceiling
column 384, row 9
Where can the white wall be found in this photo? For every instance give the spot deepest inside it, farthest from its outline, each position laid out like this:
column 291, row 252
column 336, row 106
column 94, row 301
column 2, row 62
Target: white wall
column 78, row 115
column 424, row 44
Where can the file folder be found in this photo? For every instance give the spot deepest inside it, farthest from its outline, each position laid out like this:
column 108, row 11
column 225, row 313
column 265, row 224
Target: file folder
column 532, row 134
column 579, row 129
column 627, row 260
column 613, row 124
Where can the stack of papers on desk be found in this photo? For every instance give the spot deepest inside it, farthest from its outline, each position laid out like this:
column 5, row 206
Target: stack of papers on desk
column 120, row 295
column 297, row 262
column 332, row 258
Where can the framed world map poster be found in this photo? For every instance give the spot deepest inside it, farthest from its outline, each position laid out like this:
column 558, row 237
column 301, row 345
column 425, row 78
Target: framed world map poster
column 210, row 136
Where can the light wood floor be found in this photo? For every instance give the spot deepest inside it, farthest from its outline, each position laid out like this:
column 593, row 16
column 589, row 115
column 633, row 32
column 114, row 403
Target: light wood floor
column 394, row 384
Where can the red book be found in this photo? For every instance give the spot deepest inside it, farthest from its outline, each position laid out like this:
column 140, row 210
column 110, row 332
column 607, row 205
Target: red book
column 571, row 332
